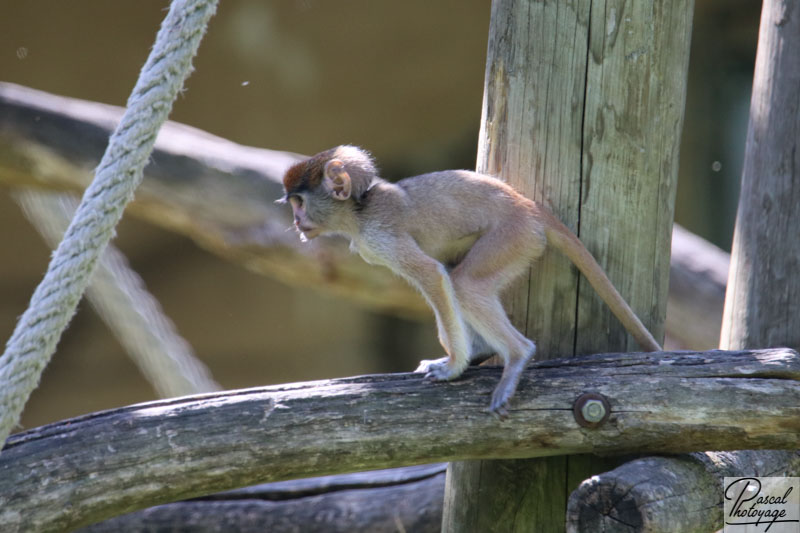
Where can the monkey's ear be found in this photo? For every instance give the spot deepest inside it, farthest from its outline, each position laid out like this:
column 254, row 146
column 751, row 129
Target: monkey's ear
column 337, row 180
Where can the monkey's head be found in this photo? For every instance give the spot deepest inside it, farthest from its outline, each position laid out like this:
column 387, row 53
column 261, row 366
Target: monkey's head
column 324, row 189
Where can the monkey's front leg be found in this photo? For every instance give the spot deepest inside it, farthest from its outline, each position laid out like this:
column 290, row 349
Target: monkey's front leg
column 404, row 256
column 433, row 281
column 452, row 335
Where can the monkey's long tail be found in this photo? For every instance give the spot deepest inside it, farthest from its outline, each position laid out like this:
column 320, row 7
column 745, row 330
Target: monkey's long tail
column 562, row 238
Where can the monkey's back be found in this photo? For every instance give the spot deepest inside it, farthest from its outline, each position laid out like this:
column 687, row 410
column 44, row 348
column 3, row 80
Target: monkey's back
column 454, row 196
column 452, row 209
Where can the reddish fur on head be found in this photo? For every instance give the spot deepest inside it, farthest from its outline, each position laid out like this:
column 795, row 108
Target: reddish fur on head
column 306, row 174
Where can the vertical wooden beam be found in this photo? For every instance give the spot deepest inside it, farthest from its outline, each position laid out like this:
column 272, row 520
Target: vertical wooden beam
column 583, row 109
column 762, row 304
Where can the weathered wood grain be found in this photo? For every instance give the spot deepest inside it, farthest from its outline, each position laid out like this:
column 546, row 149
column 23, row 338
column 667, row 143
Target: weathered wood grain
column 86, row 469
column 762, row 305
column 531, row 137
column 664, row 494
column 650, row 494
column 384, row 501
column 583, row 110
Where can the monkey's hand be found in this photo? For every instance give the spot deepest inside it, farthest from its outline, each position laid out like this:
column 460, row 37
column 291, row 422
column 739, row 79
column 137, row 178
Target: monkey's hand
column 439, row 369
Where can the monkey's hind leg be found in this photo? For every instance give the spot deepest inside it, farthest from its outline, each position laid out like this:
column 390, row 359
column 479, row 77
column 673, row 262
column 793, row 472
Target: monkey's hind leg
column 485, row 314
column 491, row 264
column 513, row 347
column 505, row 389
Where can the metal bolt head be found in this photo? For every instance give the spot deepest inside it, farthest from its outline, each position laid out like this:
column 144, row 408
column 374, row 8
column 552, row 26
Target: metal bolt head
column 591, row 409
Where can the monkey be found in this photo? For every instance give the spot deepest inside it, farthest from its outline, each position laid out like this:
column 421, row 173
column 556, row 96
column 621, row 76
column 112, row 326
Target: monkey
column 459, row 237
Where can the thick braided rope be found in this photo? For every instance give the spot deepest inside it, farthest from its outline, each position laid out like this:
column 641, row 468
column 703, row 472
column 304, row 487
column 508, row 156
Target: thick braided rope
column 54, row 301
column 123, row 302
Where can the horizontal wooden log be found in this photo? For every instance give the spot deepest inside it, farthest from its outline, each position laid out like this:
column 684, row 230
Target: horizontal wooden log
column 401, row 499
column 664, row 494
column 221, row 194
column 90, row 468
column 648, row 495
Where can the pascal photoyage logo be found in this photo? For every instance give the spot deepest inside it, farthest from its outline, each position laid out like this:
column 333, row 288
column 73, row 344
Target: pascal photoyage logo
column 760, row 504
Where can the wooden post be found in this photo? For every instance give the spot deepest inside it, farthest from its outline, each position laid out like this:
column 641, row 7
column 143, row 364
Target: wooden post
column 583, row 108
column 762, row 304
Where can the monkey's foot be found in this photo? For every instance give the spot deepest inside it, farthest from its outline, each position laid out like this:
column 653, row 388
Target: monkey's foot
column 425, row 364
column 439, row 369
column 508, row 385
column 499, row 405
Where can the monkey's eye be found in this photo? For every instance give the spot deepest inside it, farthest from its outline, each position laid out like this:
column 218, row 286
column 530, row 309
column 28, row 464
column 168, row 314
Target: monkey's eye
column 296, row 201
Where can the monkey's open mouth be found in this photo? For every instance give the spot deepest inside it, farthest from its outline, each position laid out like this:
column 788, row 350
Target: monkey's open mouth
column 309, row 232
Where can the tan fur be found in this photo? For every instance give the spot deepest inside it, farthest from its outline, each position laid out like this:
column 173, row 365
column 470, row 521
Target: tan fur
column 459, row 237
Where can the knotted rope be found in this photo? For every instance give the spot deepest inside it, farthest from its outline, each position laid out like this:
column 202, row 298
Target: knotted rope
column 54, row 301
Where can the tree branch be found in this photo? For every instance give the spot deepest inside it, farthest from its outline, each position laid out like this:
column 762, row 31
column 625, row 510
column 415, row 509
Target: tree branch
column 221, row 194
column 86, row 469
